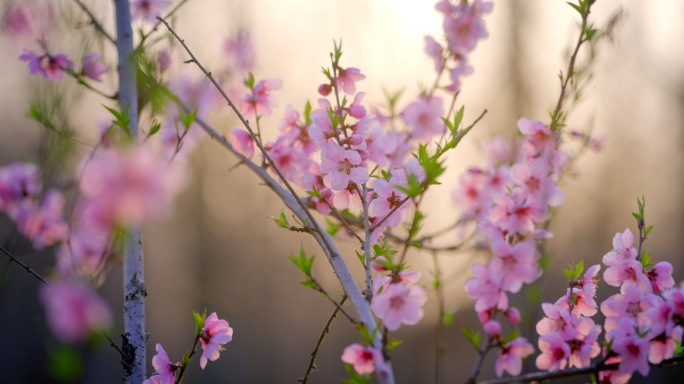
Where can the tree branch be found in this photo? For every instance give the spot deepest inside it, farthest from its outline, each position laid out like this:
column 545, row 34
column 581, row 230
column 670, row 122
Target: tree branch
column 135, row 371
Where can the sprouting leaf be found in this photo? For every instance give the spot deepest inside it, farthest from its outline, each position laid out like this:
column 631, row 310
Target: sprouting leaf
column 473, row 336
column 302, row 262
column 307, row 113
column 281, row 221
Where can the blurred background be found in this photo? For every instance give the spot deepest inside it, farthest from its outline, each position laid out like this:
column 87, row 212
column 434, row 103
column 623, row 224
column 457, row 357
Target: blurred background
column 220, row 250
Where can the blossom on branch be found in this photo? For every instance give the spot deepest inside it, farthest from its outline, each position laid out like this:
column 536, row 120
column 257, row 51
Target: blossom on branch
column 364, row 360
column 214, row 335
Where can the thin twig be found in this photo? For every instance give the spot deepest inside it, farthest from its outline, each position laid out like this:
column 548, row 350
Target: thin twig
column 94, row 21
column 26, row 267
column 245, row 123
column 158, row 22
column 556, row 123
column 319, row 342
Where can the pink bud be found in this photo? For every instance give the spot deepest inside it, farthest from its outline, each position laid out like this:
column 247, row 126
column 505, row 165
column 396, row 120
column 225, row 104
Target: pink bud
column 513, row 316
column 324, row 89
column 493, row 328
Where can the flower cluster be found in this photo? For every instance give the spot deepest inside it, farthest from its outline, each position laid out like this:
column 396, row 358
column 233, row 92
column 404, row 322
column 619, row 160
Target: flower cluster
column 643, row 322
column 213, row 334
column 53, row 66
column 21, row 193
column 463, row 27
column 509, row 201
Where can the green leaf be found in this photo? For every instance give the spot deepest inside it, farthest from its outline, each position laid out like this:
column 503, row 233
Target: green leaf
column 189, row 118
column 511, row 336
column 304, row 263
column 473, row 336
column 199, row 321
column 307, row 113
column 569, row 274
column 249, row 81
column 121, row 120
column 448, row 319
column 332, row 228
column 309, row 283
column 281, row 221
column 647, row 231
column 579, row 269
column 393, row 344
column 65, row 363
column 155, row 128
column 576, row 7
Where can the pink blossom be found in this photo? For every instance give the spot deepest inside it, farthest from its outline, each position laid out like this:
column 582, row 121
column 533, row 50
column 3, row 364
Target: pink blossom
column 399, row 303
column 589, row 283
column 214, row 335
column 387, row 198
column 517, row 213
column 341, row 166
column 85, row 254
column 363, row 359
column 623, row 249
column 50, row 66
column 537, row 136
column 661, row 276
column 632, row 304
column 163, row 366
column 147, row 9
column 127, row 187
column 485, row 288
column 73, row 310
column 240, row 49
column 347, row 78
column 260, row 101
column 19, row 182
column 511, row 355
column 663, row 347
column 627, row 272
column 93, row 67
column 424, row 118
column 434, row 51
column 516, row 263
column 584, row 347
column 242, row 142
column 633, row 350
column 535, row 177
column 44, row 225
column 463, row 32
column 163, row 60
column 558, row 320
column 154, row 379
column 356, row 109
column 555, row 352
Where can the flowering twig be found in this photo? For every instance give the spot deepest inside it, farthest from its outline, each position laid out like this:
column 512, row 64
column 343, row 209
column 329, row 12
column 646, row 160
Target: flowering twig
column 334, row 258
column 557, row 115
column 319, row 342
column 28, row 269
column 590, row 370
column 189, row 357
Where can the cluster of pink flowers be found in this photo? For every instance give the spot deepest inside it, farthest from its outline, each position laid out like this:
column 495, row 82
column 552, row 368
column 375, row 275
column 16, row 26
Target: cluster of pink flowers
column 397, row 299
column 642, row 322
column 463, row 28
column 213, row 336
column 38, row 214
column 509, row 201
column 52, row 67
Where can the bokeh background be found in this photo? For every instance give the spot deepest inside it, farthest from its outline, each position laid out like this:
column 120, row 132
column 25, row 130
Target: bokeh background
column 220, row 250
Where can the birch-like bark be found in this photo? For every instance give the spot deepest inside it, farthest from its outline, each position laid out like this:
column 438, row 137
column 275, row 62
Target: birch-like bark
column 135, row 336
